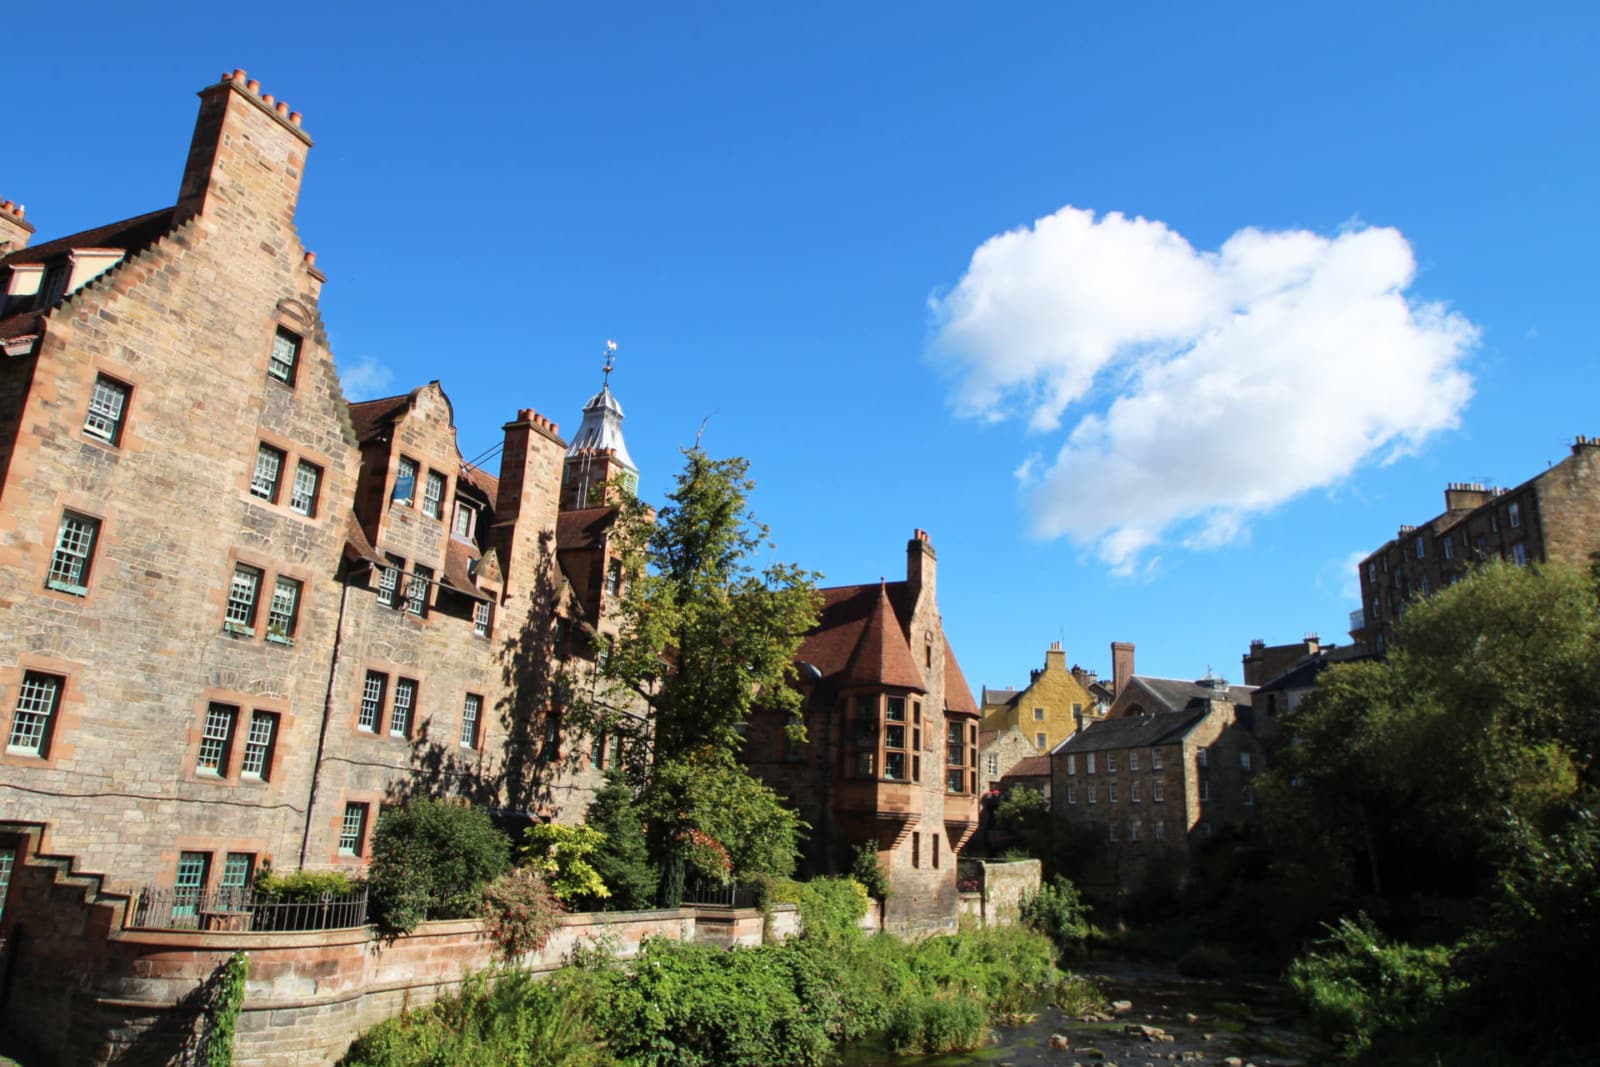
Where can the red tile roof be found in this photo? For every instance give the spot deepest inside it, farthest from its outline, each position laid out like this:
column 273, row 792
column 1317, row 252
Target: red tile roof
column 372, row 417
column 129, row 234
column 583, row 527
column 356, row 545
column 1029, row 767
column 829, row 644
column 458, row 560
column 957, row 694
column 482, row 481
column 881, row 655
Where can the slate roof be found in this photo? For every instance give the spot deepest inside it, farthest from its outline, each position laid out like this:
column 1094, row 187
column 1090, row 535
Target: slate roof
column 1133, row 731
column 998, row 697
column 130, row 235
column 1175, row 694
column 371, row 417
column 583, row 528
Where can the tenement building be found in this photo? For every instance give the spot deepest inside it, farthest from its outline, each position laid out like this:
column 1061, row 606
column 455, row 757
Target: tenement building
column 1055, row 705
column 237, row 614
column 1146, row 789
column 890, row 757
column 1553, row 515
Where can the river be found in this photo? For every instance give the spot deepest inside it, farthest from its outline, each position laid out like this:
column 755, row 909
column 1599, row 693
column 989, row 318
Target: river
column 1221, row 1023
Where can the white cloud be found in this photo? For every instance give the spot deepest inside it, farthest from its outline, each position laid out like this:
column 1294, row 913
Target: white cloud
column 365, row 378
column 1213, row 385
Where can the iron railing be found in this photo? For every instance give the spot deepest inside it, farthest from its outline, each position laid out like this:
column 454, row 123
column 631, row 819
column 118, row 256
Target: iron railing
column 166, row 908
column 723, row 896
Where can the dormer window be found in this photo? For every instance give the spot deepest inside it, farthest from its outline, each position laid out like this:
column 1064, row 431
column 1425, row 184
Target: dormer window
column 54, row 286
column 433, row 495
column 465, row 521
column 405, row 481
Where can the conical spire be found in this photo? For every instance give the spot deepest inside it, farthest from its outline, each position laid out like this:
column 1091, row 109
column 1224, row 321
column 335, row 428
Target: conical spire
column 881, row 656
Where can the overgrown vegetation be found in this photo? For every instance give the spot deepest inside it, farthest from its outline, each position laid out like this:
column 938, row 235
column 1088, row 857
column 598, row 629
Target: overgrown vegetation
column 521, row 911
column 222, row 1010
column 300, row 886
column 431, row 860
column 696, row 1005
column 1059, row 912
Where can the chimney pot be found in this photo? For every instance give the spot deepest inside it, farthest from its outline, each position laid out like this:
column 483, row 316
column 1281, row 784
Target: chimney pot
column 238, row 74
column 8, row 205
column 253, row 85
column 311, row 259
column 294, row 118
column 267, row 98
column 283, row 109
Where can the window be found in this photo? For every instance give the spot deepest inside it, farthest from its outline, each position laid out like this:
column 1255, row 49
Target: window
column 372, row 701
column 405, row 700
column 1072, row 763
column 285, row 355
column 1088, row 761
column 353, row 830
column 107, row 404
column 1155, row 759
column 1133, row 829
column 258, row 745
column 1072, row 794
column 243, row 591
column 466, row 521
column 7, row 858
column 916, row 849
column 269, row 467
column 597, row 752
column 37, row 701
column 1111, row 793
column 1133, row 761
column 1244, row 761
column 1422, row 585
column 1519, row 554
column 482, row 618
column 471, row 710
column 216, row 740
column 614, row 578
column 1133, row 792
column 1249, row 797
column 1040, row 741
column 1422, row 548
column 992, row 763
column 864, row 736
column 1038, row 715
column 236, row 871
column 405, row 480
column 1077, row 709
column 1514, row 515
column 550, row 750
column 894, row 739
column 284, row 611
column 69, row 567
column 1111, row 832
column 433, row 495
column 934, row 838
column 1158, row 791
column 1111, row 762
column 1090, row 796
column 1199, row 757
column 1449, row 548
column 389, row 582
column 193, row 872
column 1205, row 790
column 303, row 495
column 1161, row 829
column 417, row 589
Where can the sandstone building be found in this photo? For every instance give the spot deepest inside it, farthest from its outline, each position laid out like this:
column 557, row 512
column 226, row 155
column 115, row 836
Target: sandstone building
column 890, row 759
column 237, row 614
column 1055, row 705
column 1553, row 515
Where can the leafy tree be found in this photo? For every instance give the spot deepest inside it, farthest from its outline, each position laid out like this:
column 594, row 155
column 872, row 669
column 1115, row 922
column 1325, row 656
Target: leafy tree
column 1024, row 813
column 562, row 855
column 624, row 864
column 708, row 793
column 431, row 860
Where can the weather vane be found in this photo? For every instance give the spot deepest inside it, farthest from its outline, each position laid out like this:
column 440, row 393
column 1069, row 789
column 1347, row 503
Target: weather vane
column 611, row 359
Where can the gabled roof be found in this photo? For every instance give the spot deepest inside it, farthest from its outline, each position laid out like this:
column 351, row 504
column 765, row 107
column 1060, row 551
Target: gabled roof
column 993, row 698
column 371, row 417
column 459, row 559
column 957, row 695
column 130, row 235
column 482, row 481
column 1174, row 694
column 881, row 655
column 1029, row 767
column 583, row 528
column 1134, row 731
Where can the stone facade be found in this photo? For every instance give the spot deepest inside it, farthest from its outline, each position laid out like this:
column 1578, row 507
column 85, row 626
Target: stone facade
column 890, row 759
column 1553, row 515
column 1055, row 705
column 1142, row 793
column 998, row 752
column 237, row 614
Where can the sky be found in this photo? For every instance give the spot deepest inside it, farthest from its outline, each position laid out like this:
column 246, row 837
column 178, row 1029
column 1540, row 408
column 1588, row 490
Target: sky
column 1157, row 317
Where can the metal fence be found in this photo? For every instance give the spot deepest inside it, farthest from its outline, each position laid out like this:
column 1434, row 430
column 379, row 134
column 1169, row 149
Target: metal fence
column 166, row 908
column 725, row 896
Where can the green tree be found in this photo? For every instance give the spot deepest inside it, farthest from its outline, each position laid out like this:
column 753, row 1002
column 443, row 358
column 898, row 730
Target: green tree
column 431, row 860
column 563, row 855
column 624, row 864
column 1024, row 813
column 710, row 793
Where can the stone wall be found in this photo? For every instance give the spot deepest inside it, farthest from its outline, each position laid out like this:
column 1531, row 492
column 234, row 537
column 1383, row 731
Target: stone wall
column 1004, row 887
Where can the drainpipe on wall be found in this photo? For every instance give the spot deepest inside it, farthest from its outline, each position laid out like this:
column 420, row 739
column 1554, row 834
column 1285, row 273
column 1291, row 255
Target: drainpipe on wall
column 327, row 717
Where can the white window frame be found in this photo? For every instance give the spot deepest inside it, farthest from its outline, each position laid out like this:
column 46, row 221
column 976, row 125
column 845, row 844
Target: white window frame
column 483, row 618
column 244, row 595
column 353, row 829
column 1111, row 763
column 403, row 708
column 417, row 590
column 1155, row 759
column 1040, row 741
column 1111, row 792
column 1133, row 831
column 283, row 612
column 471, row 715
column 404, row 467
column 216, row 740
column 1161, row 829
column 284, row 362
column 1133, row 759
column 433, row 487
column 1090, row 794
column 1205, row 790
column 38, row 701
column 307, row 484
column 1158, row 792
column 1072, row 794
column 108, row 406
column 1514, row 514
column 1072, row 763
column 267, row 478
column 1038, row 715
column 74, row 553
column 465, row 522
column 1244, row 761
column 1200, row 757
column 374, row 688
column 1088, row 763
column 258, row 743
column 389, row 582
column 1133, row 792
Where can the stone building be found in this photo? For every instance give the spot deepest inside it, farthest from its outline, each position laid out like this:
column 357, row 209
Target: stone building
column 1143, row 791
column 239, row 614
column 1056, row 703
column 1553, row 515
column 890, row 759
column 999, row 751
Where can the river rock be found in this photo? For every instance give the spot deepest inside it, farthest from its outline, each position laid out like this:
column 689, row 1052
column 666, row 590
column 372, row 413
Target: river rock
column 1059, row 1043
column 1121, row 1007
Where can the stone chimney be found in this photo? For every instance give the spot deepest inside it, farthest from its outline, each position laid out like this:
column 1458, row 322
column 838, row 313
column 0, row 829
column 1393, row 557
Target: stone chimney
column 921, row 566
column 1464, row 496
column 527, row 500
column 1121, row 665
column 14, row 229
column 247, row 155
column 1055, row 658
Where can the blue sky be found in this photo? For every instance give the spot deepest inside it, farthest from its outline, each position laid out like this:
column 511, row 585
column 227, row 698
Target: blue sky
column 1154, row 316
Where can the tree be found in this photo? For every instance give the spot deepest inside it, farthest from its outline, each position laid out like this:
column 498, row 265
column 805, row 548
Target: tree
column 704, row 636
column 1024, row 814
column 624, row 864
column 431, row 860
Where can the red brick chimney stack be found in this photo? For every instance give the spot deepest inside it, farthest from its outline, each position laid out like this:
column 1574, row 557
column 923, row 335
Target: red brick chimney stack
column 1121, row 665
column 921, row 564
column 14, row 229
column 248, row 151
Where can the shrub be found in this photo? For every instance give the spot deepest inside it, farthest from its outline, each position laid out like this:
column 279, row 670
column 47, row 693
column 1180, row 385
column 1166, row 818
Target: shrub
column 867, row 869
column 936, row 1023
column 299, row 886
column 624, row 864
column 1356, row 985
column 829, row 908
column 521, row 911
column 561, row 854
column 431, row 860
column 1058, row 911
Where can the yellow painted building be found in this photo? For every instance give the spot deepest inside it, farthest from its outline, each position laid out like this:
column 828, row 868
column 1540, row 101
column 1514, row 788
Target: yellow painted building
column 1056, row 703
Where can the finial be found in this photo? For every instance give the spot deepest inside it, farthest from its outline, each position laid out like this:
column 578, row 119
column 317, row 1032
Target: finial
column 611, row 360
